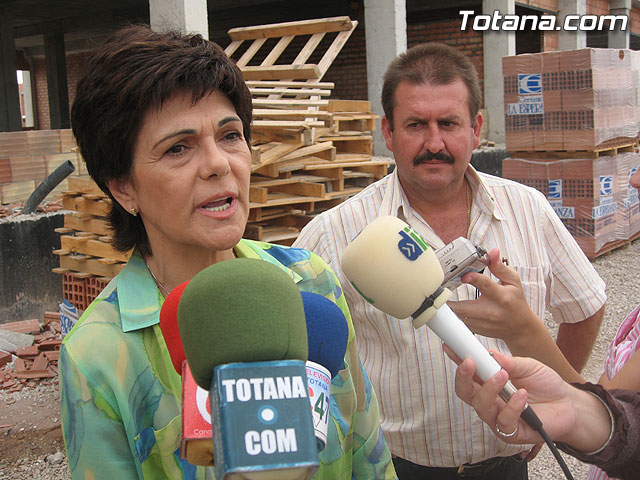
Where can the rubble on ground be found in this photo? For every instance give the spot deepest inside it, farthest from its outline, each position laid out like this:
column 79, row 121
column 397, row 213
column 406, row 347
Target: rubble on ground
column 29, row 351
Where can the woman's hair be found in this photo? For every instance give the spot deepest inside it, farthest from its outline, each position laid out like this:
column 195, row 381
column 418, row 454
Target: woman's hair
column 134, row 72
column 431, row 63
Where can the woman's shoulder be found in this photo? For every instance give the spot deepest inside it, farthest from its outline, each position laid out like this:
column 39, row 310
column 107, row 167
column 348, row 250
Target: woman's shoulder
column 101, row 316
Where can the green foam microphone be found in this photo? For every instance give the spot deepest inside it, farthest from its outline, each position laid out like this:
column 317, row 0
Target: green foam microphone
column 241, row 310
column 243, row 329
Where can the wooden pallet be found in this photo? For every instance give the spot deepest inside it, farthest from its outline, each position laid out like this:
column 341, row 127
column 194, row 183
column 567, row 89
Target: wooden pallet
column 609, row 247
column 629, row 146
column 256, row 46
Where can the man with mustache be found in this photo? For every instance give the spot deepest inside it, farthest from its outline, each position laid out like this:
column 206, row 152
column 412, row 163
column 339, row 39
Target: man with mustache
column 431, row 99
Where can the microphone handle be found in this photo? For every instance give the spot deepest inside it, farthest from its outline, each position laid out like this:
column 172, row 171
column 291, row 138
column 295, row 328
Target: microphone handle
column 452, row 331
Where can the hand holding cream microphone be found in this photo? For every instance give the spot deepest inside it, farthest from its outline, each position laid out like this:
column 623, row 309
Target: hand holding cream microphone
column 243, row 330
column 397, row 271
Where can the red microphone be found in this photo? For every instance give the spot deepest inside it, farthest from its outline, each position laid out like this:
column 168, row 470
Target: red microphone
column 169, row 326
column 196, row 445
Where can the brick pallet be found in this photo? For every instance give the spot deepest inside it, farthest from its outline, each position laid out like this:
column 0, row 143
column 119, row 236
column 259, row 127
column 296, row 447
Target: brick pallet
column 571, row 127
column 571, row 100
column 591, row 195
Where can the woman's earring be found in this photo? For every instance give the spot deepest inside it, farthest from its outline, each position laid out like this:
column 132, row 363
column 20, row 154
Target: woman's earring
column 133, row 211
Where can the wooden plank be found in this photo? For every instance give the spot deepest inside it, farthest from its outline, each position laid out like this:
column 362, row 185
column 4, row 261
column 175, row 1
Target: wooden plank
column 260, row 182
column 277, row 124
column 288, row 102
column 85, row 184
column 304, row 189
column 276, row 233
column 363, row 106
column 290, row 91
column 92, row 224
column 322, row 149
column 258, row 194
column 232, row 47
column 80, row 204
column 258, row 213
column 259, row 113
column 284, row 72
column 296, row 136
column 277, row 199
column 332, row 52
column 288, row 84
column 275, row 153
column 249, row 54
column 309, row 47
column 304, row 27
column 275, row 53
column 90, row 265
column 92, row 247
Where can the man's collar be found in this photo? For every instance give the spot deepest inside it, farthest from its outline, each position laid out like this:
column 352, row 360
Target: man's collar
column 395, row 202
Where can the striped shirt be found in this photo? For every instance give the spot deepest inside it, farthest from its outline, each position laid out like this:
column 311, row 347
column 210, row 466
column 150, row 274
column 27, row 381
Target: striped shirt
column 423, row 419
column 625, row 343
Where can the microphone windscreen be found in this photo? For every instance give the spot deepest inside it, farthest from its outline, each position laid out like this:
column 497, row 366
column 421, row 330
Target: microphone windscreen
column 169, row 326
column 392, row 266
column 240, row 310
column 327, row 331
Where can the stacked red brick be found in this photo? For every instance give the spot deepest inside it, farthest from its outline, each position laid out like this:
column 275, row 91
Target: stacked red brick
column 576, row 100
column 28, row 157
column 571, row 126
column 34, row 363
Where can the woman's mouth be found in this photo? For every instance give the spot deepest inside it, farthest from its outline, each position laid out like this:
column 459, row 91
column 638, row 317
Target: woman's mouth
column 218, row 205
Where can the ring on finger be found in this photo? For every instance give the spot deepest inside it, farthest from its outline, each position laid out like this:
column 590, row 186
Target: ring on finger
column 506, row 435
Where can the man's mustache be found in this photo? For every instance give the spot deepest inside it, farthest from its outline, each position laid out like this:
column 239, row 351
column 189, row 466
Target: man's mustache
column 426, row 156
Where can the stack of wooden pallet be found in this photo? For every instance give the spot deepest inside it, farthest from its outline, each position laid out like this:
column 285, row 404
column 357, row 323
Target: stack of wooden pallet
column 87, row 260
column 308, row 152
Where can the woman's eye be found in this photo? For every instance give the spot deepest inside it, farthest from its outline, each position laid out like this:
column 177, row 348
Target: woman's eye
column 176, row 149
column 233, row 136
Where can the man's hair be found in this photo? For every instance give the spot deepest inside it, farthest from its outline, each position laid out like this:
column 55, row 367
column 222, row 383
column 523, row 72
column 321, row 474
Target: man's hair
column 134, row 72
column 430, row 63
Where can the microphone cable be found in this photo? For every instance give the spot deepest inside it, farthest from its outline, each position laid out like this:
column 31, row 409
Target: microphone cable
column 529, row 416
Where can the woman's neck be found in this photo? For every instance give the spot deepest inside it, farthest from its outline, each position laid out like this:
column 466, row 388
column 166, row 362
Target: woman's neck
column 171, row 269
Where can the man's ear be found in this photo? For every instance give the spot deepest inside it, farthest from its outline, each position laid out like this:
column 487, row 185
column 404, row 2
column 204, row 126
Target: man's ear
column 477, row 128
column 124, row 193
column 387, row 132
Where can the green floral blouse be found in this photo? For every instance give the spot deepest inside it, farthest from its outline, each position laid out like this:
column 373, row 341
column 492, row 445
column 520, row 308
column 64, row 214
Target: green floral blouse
column 121, row 397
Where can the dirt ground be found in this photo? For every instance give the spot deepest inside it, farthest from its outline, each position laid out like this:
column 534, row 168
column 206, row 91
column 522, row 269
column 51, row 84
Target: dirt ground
column 30, row 425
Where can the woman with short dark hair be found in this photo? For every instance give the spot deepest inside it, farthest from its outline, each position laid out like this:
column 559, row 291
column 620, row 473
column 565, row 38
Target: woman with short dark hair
column 163, row 123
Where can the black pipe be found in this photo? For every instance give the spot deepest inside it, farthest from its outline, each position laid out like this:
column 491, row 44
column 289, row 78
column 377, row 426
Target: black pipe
column 51, row 182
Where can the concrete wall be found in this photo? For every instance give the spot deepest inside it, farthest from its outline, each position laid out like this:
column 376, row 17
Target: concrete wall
column 28, row 287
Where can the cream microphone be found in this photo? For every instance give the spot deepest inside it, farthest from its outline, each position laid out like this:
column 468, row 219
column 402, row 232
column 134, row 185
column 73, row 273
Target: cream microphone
column 397, row 271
